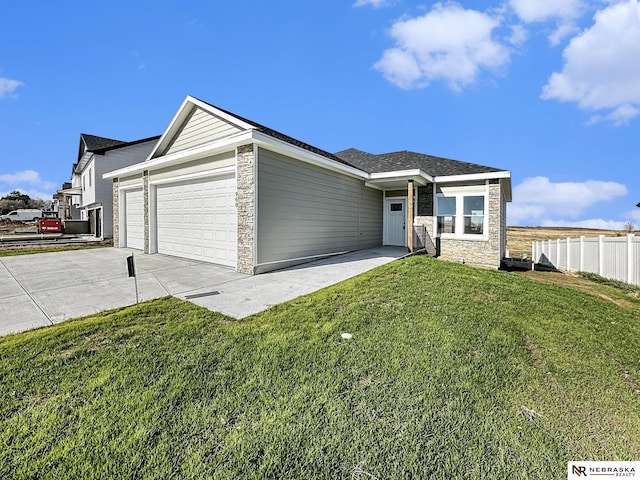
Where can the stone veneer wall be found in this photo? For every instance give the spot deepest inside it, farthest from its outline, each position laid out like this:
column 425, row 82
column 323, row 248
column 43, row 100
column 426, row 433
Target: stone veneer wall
column 485, row 253
column 424, row 216
column 116, row 214
column 145, row 199
column 503, row 224
column 245, row 201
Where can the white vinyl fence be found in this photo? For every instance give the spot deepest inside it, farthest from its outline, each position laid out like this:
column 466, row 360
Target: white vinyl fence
column 611, row 257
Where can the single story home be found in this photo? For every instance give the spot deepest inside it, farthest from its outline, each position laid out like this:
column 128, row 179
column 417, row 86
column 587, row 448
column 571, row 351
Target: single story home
column 220, row 188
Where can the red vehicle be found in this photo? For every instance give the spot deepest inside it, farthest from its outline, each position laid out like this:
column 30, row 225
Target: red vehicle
column 50, row 223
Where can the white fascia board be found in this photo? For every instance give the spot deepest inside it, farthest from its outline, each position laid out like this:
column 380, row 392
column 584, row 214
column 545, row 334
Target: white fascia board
column 195, row 153
column 82, row 163
column 415, row 174
column 219, row 113
column 299, row 153
column 505, row 184
column 181, row 115
column 473, row 177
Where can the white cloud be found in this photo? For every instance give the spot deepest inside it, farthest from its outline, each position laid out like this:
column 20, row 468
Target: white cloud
column 600, row 70
column 537, row 200
column 543, row 10
column 563, row 30
column 449, row 43
column 519, row 35
column 28, row 182
column 8, row 86
column 634, row 216
column 373, row 3
column 563, row 12
column 31, row 192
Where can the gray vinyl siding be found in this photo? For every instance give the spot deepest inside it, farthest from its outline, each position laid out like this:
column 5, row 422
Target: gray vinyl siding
column 304, row 210
column 200, row 128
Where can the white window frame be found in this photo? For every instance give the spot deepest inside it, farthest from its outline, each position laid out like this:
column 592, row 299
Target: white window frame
column 459, row 192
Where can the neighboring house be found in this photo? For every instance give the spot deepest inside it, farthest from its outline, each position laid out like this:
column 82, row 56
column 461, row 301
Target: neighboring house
column 220, row 188
column 92, row 195
column 63, row 202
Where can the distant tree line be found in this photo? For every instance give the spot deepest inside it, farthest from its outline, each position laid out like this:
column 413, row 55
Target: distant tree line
column 15, row 200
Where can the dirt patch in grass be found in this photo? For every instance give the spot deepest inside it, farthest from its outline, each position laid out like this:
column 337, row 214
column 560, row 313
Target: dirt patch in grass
column 577, row 282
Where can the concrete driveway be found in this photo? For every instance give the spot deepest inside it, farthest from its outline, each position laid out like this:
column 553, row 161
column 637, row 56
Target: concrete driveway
column 47, row 288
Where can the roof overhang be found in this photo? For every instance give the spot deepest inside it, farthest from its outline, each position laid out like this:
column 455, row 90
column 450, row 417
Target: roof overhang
column 70, row 191
column 397, row 180
column 473, row 177
column 231, row 142
column 504, row 176
column 280, row 146
column 196, row 153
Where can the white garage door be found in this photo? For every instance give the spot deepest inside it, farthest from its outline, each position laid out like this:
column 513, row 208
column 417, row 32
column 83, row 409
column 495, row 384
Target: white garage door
column 198, row 220
column 134, row 218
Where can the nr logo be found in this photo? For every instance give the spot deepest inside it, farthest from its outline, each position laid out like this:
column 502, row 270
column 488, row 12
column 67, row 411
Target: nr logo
column 578, row 471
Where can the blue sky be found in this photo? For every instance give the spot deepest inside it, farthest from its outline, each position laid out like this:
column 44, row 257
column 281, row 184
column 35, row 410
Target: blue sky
column 549, row 89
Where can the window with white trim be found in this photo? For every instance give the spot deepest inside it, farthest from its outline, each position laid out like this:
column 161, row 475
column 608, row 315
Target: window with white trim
column 473, row 214
column 446, row 214
column 461, row 212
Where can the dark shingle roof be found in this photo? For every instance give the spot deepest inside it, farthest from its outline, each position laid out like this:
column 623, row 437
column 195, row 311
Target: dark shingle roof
column 93, row 142
column 102, row 150
column 100, row 145
column 370, row 163
column 281, row 136
column 405, row 160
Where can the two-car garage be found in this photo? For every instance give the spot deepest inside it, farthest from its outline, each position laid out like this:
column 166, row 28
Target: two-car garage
column 195, row 219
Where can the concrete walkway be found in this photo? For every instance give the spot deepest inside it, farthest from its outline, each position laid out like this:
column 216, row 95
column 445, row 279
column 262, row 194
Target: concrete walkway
column 44, row 289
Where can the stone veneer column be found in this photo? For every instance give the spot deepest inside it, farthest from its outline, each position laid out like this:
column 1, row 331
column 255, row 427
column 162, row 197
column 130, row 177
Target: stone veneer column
column 245, row 203
column 495, row 221
column 145, row 199
column 116, row 213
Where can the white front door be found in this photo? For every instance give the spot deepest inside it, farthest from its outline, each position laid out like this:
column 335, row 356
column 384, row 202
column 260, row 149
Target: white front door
column 395, row 221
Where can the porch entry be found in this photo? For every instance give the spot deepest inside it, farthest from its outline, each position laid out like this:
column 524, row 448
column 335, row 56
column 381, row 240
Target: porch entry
column 95, row 222
column 395, row 222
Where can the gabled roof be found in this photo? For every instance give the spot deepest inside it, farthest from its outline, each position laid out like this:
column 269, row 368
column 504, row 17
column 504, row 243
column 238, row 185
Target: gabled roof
column 101, row 151
column 406, row 160
column 188, row 105
column 99, row 146
column 89, row 143
column 378, row 170
column 281, row 136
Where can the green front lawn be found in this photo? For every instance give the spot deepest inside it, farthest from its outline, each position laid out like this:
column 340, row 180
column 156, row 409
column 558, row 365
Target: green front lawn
column 452, row 372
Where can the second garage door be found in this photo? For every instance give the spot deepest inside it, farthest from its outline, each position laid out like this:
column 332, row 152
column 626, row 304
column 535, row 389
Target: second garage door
column 198, row 220
column 134, row 218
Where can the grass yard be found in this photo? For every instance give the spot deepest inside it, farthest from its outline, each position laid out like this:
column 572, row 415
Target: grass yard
column 452, row 372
